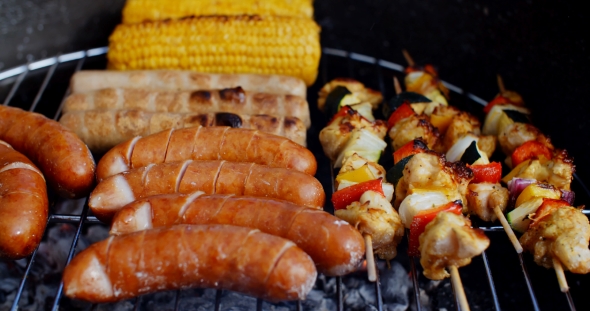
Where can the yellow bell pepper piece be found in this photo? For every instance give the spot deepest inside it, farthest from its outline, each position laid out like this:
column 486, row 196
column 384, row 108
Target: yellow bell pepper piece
column 361, row 174
column 537, row 191
column 515, row 171
column 441, row 122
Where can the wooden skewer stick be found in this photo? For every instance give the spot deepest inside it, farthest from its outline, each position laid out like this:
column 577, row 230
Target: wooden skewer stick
column 508, row 230
column 397, row 86
column 371, row 270
column 501, row 86
column 560, row 275
column 458, row 287
column 408, row 58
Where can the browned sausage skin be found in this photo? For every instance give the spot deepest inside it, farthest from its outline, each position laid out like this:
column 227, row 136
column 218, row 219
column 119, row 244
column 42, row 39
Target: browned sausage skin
column 215, row 256
column 23, row 204
column 211, row 177
column 63, row 158
column 207, row 143
column 336, row 247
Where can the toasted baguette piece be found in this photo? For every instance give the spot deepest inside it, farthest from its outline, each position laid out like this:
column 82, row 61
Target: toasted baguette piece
column 185, row 80
column 234, row 100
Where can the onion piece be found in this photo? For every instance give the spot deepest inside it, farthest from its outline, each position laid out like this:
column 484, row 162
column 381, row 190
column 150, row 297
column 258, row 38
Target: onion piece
column 458, row 149
column 515, row 187
column 568, row 196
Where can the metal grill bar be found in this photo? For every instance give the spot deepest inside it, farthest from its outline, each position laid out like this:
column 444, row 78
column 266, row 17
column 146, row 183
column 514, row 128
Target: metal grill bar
column 43, row 86
column 491, row 281
column 71, row 254
column 16, row 85
column 528, row 283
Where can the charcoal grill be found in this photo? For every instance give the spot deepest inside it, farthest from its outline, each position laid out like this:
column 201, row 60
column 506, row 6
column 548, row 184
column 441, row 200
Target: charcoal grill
column 498, row 280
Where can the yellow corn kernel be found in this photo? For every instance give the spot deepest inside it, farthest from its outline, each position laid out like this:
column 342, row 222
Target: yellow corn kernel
column 220, row 44
column 137, row 11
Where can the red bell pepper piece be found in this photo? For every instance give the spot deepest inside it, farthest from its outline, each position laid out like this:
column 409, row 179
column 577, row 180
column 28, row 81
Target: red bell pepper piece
column 344, row 197
column 499, row 100
column 342, row 112
column 413, row 147
column 402, row 112
column 491, row 172
column 423, row 218
column 530, row 149
column 548, row 206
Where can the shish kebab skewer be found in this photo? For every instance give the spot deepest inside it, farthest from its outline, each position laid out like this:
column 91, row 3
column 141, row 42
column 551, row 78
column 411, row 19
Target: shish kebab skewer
column 553, row 240
column 353, row 140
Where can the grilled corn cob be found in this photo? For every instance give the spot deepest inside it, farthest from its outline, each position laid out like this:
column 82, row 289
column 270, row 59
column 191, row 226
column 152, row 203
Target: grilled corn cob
column 137, row 11
column 220, row 44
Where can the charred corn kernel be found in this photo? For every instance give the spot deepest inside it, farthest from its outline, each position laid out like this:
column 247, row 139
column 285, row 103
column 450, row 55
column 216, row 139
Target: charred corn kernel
column 361, row 174
column 137, row 11
column 220, row 44
column 537, row 191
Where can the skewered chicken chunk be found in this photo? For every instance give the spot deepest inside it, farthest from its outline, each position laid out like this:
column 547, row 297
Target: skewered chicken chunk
column 430, row 170
column 558, row 171
column 564, row 234
column 514, row 135
column 411, row 128
column 447, row 241
column 482, row 198
column 465, row 123
column 374, row 215
column 358, row 90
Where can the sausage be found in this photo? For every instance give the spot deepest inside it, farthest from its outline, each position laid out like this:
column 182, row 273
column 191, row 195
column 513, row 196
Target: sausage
column 214, row 256
column 211, row 177
column 234, row 100
column 101, row 130
column 185, row 80
column 336, row 247
column 23, row 204
column 206, row 143
column 63, row 158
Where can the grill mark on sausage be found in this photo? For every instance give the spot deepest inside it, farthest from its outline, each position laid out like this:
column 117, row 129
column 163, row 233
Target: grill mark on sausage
column 249, row 174
column 287, row 246
column 217, row 177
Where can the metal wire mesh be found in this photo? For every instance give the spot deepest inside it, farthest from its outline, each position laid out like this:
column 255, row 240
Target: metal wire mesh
column 350, row 61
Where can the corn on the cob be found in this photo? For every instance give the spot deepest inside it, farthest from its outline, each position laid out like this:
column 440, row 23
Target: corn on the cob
column 220, row 44
column 137, row 11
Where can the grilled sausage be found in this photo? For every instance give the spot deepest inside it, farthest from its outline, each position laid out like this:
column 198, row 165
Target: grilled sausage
column 234, row 100
column 206, row 143
column 215, row 256
column 178, row 80
column 336, row 247
column 63, row 158
column 101, row 130
column 211, row 177
column 23, row 204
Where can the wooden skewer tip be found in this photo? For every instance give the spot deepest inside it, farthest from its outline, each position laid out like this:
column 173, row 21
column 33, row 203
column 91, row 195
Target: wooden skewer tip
column 371, row 269
column 458, row 287
column 397, row 86
column 501, row 86
column 508, row 230
column 560, row 275
column 408, row 58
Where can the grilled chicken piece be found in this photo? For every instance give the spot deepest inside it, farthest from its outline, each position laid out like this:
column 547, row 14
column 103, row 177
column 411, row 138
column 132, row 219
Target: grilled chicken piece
column 482, row 198
column 449, row 240
column 334, row 136
column 564, row 234
column 410, row 128
column 516, row 134
column 357, row 89
column 464, row 123
column 429, row 170
column 558, row 171
column 374, row 215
